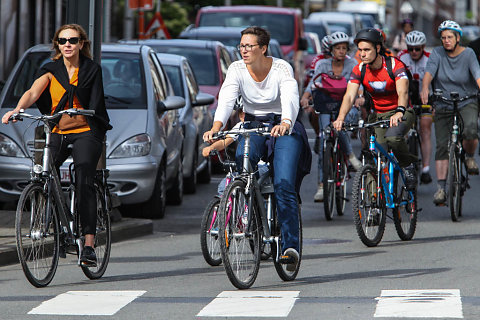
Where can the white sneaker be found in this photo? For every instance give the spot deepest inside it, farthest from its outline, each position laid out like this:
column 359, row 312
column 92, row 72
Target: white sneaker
column 356, row 164
column 318, row 197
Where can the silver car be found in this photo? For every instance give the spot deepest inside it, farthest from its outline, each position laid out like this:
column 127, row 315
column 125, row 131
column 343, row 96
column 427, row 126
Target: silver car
column 144, row 148
column 194, row 118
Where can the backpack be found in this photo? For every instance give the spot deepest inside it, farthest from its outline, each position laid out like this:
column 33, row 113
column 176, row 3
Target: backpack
column 413, row 85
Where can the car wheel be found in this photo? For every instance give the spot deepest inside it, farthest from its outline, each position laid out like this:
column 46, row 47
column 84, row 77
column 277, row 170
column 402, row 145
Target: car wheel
column 154, row 208
column 190, row 182
column 175, row 193
column 205, row 175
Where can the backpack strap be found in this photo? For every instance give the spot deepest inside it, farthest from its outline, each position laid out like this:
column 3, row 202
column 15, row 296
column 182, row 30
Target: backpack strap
column 388, row 62
column 363, row 69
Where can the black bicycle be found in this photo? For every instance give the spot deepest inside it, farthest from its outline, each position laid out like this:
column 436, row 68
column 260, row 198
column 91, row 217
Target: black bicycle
column 47, row 225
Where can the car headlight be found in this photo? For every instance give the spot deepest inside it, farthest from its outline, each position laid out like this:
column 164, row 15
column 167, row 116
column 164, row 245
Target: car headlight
column 9, row 148
column 136, row 146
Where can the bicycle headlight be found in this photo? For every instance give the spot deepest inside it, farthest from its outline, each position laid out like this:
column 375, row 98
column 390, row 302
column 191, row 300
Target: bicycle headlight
column 136, row 146
column 37, row 169
column 9, row 148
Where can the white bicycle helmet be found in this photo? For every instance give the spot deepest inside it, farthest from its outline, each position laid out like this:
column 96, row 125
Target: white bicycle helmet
column 450, row 25
column 338, row 37
column 415, row 38
column 326, row 44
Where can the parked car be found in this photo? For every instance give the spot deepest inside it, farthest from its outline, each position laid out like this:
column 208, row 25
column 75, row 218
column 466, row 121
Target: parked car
column 144, row 148
column 319, row 27
column 347, row 21
column 194, row 118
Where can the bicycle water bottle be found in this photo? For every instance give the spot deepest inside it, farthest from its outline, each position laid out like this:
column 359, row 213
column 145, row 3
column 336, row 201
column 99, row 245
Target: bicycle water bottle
column 385, row 172
column 455, row 133
column 371, row 147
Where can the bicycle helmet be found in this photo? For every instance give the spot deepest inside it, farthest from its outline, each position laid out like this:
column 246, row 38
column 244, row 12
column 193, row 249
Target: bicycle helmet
column 415, row 38
column 407, row 21
column 450, row 25
column 370, row 34
column 326, row 44
column 338, row 37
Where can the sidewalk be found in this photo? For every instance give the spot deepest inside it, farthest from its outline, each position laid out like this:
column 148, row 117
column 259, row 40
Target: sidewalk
column 126, row 228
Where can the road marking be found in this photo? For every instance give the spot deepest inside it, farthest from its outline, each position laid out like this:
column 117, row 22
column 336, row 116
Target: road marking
column 251, row 304
column 435, row 303
column 95, row 303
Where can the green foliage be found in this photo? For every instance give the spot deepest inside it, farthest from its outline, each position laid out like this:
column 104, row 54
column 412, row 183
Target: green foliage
column 175, row 17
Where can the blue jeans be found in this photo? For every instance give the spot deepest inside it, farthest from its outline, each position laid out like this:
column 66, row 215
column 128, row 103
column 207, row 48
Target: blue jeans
column 287, row 153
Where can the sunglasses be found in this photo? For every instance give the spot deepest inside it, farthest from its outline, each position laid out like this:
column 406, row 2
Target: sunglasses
column 415, row 49
column 73, row 40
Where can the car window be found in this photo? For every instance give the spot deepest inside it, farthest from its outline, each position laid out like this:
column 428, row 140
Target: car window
column 203, row 62
column 319, row 29
column 225, row 61
column 281, row 26
column 123, row 81
column 339, row 26
column 158, row 89
column 175, row 76
column 191, row 82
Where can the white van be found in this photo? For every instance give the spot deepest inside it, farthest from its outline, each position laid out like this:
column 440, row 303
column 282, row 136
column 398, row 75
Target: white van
column 338, row 21
column 371, row 8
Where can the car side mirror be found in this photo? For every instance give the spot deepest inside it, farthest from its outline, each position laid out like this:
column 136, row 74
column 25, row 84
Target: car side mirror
column 302, row 44
column 203, row 99
column 170, row 103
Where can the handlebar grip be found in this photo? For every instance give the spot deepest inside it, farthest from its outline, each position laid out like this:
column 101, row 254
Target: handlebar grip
column 87, row 112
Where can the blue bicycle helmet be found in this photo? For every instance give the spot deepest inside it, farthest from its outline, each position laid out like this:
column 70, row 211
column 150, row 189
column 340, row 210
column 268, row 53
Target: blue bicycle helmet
column 450, row 25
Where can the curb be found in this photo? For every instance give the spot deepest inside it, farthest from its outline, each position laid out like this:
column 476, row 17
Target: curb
column 127, row 228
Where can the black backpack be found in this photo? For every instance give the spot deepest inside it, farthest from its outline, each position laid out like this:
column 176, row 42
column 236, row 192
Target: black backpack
column 413, row 85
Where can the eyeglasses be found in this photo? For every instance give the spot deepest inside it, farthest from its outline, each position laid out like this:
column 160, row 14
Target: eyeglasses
column 73, row 40
column 417, row 49
column 247, row 47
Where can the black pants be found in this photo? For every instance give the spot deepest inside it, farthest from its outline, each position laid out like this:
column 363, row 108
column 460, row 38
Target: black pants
column 86, row 152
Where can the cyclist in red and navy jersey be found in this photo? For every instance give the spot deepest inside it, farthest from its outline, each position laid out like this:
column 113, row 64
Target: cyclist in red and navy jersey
column 389, row 98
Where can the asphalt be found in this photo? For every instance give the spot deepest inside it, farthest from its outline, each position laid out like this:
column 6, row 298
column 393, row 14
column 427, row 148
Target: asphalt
column 122, row 229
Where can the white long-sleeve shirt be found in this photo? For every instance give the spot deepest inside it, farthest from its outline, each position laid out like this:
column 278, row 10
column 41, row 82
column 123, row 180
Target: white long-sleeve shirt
column 277, row 93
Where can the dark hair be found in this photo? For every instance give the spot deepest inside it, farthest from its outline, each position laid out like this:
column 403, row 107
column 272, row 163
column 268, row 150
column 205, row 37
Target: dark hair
column 407, row 21
column 83, row 37
column 263, row 36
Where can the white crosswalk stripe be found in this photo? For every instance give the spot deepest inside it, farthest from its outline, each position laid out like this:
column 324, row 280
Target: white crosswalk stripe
column 251, row 304
column 99, row 303
column 435, row 303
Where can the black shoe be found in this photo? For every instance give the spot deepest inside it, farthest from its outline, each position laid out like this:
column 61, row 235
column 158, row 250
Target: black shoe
column 62, row 253
column 410, row 177
column 425, row 178
column 88, row 258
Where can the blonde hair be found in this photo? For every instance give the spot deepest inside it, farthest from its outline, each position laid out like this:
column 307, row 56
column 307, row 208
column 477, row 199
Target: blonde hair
column 82, row 35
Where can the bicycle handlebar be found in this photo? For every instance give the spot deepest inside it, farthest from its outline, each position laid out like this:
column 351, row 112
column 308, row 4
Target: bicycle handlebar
column 264, row 131
column 454, row 96
column 71, row 112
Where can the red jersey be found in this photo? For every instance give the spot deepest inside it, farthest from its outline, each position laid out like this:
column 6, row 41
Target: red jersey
column 379, row 84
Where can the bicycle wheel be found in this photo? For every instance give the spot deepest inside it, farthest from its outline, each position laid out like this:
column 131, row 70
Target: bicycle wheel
column 329, row 165
column 37, row 236
column 405, row 211
column 369, row 212
column 454, row 183
column 209, row 233
column 341, row 190
column 103, row 237
column 239, row 247
column 280, row 267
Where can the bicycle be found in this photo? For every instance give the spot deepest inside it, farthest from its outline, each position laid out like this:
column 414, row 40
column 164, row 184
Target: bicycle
column 46, row 227
column 380, row 185
column 457, row 177
column 248, row 219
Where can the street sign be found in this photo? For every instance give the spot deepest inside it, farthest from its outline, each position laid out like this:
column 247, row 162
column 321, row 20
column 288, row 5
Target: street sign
column 157, row 26
column 140, row 4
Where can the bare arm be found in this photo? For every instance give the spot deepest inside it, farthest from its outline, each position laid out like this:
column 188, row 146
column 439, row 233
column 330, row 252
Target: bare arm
column 427, row 80
column 218, row 145
column 402, row 92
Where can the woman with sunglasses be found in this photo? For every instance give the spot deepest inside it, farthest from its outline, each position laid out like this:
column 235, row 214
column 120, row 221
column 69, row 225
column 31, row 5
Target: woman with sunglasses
column 73, row 80
column 415, row 58
column 270, row 94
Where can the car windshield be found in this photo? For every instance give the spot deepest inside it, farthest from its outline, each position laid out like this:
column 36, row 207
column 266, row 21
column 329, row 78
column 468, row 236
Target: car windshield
column 281, row 26
column 319, row 29
column 340, row 26
column 203, row 62
column 122, row 90
column 175, row 77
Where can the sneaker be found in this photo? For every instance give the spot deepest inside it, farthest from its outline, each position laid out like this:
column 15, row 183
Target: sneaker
column 318, row 197
column 440, row 197
column 356, row 164
column 88, row 258
column 410, row 177
column 472, row 167
column 292, row 256
column 316, row 145
column 425, row 178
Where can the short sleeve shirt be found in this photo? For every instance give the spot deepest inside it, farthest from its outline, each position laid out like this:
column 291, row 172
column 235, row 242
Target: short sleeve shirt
column 379, row 84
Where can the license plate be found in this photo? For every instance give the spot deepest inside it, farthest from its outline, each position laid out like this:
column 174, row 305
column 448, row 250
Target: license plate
column 64, row 175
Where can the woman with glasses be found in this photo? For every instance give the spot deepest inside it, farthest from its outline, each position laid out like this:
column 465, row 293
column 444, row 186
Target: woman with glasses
column 270, row 94
column 415, row 58
column 73, row 80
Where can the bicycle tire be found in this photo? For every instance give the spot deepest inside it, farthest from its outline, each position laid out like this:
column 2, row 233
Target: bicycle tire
column 454, row 183
column 329, row 182
column 103, row 237
column 37, row 247
column 405, row 216
column 370, row 224
column 209, row 233
column 281, row 268
column 240, row 252
column 341, row 190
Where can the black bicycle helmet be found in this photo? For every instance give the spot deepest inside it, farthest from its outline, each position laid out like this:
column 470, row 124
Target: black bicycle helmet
column 370, row 34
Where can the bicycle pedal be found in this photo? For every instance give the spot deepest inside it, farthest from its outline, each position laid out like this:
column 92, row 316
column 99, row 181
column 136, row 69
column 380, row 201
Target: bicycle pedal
column 286, row 260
